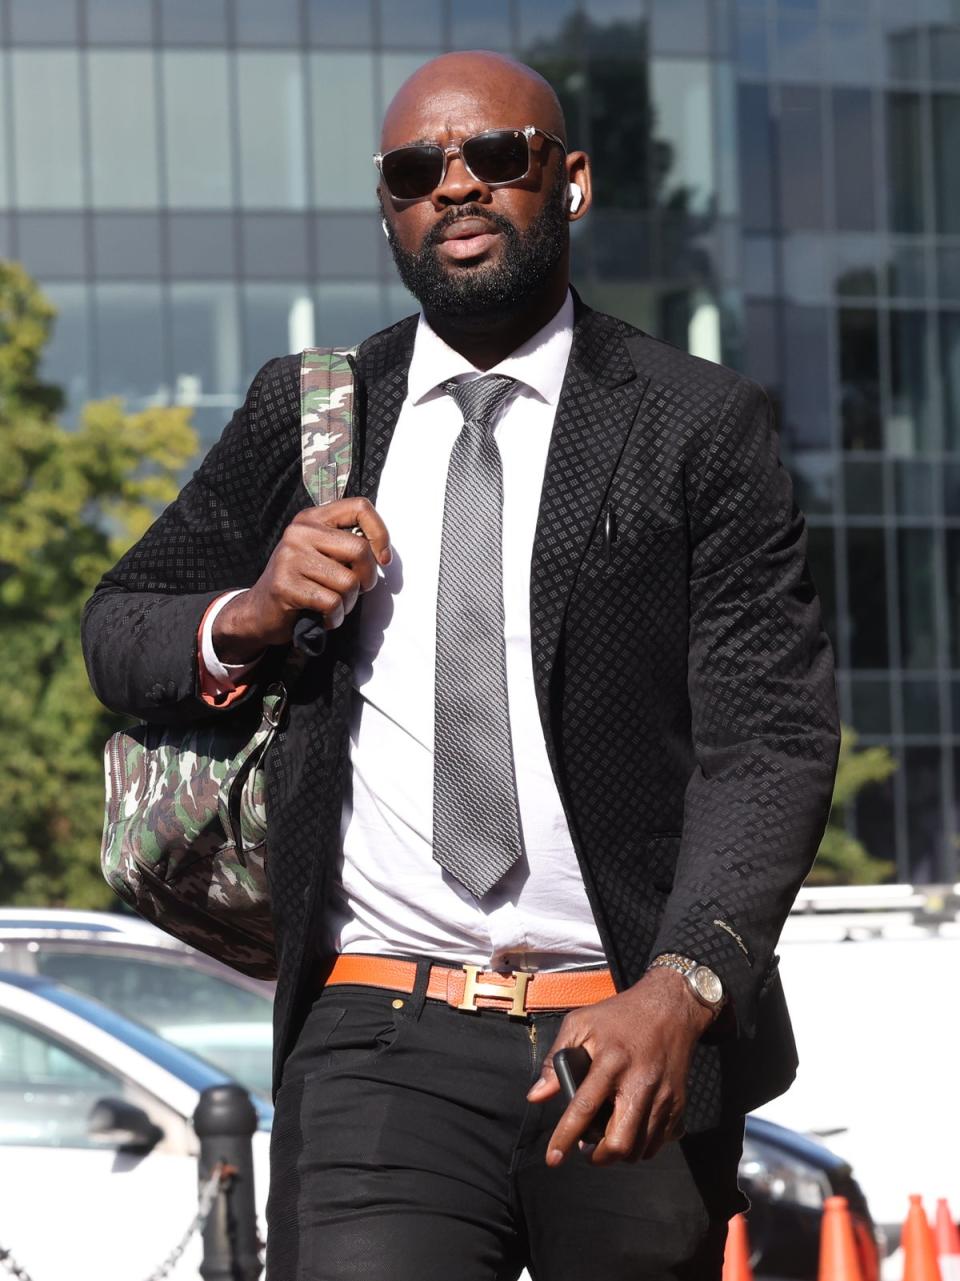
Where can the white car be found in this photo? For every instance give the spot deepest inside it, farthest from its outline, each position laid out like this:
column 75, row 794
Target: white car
column 136, row 969
column 73, row 1203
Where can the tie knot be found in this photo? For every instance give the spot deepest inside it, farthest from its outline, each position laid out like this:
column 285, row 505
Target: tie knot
column 479, row 399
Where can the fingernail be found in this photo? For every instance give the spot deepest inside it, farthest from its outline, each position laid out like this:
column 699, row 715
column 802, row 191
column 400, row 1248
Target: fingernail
column 386, row 556
column 554, row 1156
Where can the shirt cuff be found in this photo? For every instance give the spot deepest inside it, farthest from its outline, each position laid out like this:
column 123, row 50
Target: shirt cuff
column 220, row 683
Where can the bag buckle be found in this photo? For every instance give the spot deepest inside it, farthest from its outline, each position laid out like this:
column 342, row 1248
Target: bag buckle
column 515, row 992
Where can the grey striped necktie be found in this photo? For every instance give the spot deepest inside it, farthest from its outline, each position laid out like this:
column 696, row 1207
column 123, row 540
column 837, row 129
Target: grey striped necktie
column 476, row 819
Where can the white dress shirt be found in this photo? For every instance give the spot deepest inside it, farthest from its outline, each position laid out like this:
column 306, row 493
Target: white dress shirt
column 391, row 896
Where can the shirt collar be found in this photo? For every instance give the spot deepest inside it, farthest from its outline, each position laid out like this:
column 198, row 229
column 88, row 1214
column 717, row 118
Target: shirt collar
column 539, row 364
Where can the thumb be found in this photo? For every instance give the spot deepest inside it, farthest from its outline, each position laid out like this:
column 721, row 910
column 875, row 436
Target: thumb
column 547, row 1085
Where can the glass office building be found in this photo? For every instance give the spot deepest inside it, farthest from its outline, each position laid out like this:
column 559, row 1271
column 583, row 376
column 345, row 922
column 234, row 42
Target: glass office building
column 777, row 187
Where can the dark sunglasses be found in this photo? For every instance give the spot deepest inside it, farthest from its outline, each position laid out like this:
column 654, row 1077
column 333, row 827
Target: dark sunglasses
column 496, row 157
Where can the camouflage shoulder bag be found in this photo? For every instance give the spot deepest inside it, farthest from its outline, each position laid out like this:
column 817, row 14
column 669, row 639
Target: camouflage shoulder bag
column 185, row 829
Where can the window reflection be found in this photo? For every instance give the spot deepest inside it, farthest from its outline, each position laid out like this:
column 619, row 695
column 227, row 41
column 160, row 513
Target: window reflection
column 119, row 21
column 866, row 571
column 801, row 158
column 910, row 428
column 273, row 162
column 681, row 26
column 798, row 48
column 918, row 573
column 905, row 151
column 682, row 133
column 197, row 130
column 858, row 333
column 53, row 22
column 277, row 319
column 260, row 24
column 190, row 22
column 925, row 819
column 331, row 22
column 341, row 88
column 864, row 485
column 945, row 51
column 473, row 27
column 131, row 359
column 348, row 313
column 950, row 377
column 853, row 172
column 953, row 594
column 274, row 246
column 127, row 246
column 52, row 244
column 851, row 50
column 418, row 26
column 123, row 143
column 806, row 416
column 948, row 274
column 946, row 132
column 66, row 358
column 47, row 139
column 756, row 158
column 205, row 341
column 871, row 704
column 875, row 816
column 921, row 706
column 915, row 488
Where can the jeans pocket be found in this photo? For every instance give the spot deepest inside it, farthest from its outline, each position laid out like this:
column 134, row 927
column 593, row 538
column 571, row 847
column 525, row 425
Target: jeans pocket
column 355, row 1031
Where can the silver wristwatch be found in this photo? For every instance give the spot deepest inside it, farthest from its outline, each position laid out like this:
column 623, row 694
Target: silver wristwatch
column 704, row 984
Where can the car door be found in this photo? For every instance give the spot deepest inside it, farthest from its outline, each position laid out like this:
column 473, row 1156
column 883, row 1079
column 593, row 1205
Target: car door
column 70, row 1207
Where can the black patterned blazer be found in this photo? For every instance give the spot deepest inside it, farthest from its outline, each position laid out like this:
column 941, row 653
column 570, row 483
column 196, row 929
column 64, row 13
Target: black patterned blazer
column 684, row 680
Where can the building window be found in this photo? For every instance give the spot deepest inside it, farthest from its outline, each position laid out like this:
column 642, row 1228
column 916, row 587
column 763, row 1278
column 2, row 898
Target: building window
column 867, row 576
column 198, row 144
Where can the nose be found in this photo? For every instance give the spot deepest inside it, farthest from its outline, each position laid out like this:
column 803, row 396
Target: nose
column 458, row 186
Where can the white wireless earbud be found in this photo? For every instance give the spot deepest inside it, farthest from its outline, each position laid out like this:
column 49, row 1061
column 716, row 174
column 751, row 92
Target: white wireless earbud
column 576, row 198
column 386, row 229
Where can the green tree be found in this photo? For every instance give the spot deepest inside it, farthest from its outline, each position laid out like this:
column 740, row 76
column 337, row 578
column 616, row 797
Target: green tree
column 842, row 859
column 71, row 501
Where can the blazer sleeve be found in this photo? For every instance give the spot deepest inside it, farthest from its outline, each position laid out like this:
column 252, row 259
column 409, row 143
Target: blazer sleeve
column 763, row 706
column 140, row 626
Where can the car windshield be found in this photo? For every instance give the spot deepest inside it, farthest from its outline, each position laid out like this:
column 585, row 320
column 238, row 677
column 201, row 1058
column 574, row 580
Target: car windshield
column 221, row 1020
column 180, row 1063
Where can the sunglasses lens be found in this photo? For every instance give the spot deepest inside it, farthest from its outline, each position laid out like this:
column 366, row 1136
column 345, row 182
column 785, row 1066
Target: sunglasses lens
column 412, row 172
column 502, row 155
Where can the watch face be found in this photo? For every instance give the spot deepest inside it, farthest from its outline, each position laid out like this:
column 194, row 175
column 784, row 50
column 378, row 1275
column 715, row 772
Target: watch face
column 708, row 985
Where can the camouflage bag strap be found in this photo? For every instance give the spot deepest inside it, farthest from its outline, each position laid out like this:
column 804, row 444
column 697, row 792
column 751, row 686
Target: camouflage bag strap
column 326, row 420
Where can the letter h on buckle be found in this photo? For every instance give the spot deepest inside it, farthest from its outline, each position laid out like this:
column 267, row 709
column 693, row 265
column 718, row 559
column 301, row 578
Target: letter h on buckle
column 515, row 992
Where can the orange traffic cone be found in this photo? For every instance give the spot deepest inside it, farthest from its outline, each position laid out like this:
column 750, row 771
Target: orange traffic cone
column 947, row 1240
column 736, row 1258
column 838, row 1248
column 919, row 1252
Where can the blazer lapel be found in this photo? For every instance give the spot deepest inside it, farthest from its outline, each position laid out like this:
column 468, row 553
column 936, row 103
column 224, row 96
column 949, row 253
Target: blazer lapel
column 598, row 405
column 382, row 364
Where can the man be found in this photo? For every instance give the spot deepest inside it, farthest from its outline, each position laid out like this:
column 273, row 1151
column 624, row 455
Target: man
column 574, row 719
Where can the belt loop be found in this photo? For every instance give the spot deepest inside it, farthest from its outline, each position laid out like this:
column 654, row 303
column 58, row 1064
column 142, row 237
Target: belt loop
column 415, row 1002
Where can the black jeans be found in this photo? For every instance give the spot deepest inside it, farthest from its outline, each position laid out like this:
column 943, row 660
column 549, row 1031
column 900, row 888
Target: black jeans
column 404, row 1150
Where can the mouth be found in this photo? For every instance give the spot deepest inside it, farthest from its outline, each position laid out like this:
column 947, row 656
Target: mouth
column 467, row 238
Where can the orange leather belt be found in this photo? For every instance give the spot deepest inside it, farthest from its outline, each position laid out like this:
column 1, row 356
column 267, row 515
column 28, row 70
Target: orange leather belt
column 470, row 988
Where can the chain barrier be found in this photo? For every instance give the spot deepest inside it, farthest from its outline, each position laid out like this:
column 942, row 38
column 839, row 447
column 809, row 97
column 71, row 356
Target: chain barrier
column 219, row 1178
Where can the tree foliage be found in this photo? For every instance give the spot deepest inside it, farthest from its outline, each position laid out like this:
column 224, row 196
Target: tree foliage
column 842, row 859
column 71, row 501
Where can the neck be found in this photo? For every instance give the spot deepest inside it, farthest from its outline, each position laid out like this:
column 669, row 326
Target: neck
column 486, row 340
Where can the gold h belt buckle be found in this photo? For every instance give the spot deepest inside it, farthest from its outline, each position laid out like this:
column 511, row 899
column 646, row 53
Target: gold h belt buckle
column 515, row 992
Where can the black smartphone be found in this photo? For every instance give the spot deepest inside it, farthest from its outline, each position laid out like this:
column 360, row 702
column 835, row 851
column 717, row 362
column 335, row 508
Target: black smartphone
column 571, row 1066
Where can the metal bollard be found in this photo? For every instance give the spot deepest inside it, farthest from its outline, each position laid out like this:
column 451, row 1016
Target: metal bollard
column 225, row 1121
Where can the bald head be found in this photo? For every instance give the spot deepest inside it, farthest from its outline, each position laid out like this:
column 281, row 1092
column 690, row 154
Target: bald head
column 479, row 84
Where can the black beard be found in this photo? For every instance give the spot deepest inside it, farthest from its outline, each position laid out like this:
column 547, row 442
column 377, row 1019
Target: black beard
column 528, row 259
